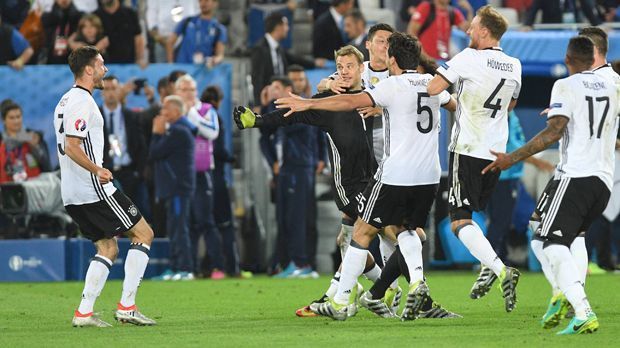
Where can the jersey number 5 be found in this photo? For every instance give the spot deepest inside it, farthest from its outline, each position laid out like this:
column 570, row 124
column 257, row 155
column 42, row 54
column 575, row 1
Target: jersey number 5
column 498, row 105
column 61, row 130
column 424, row 108
column 591, row 114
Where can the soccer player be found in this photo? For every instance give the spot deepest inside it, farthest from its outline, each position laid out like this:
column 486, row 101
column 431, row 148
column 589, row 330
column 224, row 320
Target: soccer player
column 394, row 196
column 559, row 305
column 489, row 82
column 578, row 193
column 101, row 211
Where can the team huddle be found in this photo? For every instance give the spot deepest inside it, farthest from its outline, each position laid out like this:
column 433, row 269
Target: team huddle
column 390, row 192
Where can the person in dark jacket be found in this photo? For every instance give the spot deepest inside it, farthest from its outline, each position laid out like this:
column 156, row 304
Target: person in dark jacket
column 59, row 24
column 173, row 153
column 328, row 33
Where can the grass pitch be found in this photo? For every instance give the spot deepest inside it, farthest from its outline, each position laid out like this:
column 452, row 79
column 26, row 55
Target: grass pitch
column 261, row 312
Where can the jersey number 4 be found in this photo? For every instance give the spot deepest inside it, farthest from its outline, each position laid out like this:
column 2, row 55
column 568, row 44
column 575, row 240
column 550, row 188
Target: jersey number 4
column 498, row 105
column 590, row 101
column 61, row 130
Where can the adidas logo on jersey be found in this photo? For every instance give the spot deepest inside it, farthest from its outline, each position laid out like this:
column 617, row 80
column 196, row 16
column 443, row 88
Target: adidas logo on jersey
column 347, row 291
column 466, row 201
column 377, row 219
column 558, row 233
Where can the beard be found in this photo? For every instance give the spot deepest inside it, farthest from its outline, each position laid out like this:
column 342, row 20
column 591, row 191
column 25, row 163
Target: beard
column 98, row 84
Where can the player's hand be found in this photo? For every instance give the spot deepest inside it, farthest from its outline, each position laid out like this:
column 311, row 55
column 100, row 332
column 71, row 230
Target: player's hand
column 159, row 125
column 545, row 112
column 338, row 86
column 244, row 117
column 320, row 167
column 502, row 162
column 104, row 175
column 369, row 111
column 295, row 103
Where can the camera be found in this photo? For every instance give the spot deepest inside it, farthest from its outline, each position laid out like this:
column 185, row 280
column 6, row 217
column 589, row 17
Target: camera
column 139, row 83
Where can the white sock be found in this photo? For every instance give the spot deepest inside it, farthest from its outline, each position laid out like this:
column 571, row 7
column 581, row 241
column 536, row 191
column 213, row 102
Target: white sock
column 374, row 272
column 471, row 235
column 537, row 248
column 352, row 268
column 411, row 248
column 333, row 285
column 347, row 233
column 135, row 265
column 567, row 275
column 580, row 256
column 96, row 277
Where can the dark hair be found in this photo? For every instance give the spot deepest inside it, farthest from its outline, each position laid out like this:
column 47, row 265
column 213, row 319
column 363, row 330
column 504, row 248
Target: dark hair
column 405, row 49
column 212, row 94
column 428, row 64
column 339, row 2
column 273, row 20
column 285, row 81
column 356, row 15
column 598, row 36
column 616, row 66
column 379, row 26
column 491, row 19
column 8, row 105
column 163, row 83
column 174, row 75
column 580, row 51
column 80, row 58
column 296, row 68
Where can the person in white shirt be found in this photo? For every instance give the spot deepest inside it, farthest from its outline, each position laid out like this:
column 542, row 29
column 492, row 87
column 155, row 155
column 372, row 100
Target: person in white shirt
column 403, row 188
column 583, row 117
column 488, row 83
column 101, row 211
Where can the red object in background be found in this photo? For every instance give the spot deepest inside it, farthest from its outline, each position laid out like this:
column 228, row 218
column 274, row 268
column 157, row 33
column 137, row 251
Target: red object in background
column 519, row 5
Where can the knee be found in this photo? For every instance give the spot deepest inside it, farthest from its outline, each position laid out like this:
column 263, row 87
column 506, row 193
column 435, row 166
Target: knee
column 457, row 225
column 107, row 248
column 142, row 233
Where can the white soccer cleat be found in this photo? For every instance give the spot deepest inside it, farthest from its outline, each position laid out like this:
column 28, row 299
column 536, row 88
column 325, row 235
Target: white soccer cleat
column 132, row 315
column 85, row 320
column 354, row 300
column 379, row 307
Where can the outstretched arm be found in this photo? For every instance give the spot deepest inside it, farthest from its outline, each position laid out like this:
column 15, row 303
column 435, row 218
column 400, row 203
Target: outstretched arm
column 341, row 102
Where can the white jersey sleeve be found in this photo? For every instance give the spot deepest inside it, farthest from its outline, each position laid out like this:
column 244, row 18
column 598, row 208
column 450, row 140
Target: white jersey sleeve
column 77, row 119
column 562, row 98
column 444, row 98
column 456, row 67
column 384, row 92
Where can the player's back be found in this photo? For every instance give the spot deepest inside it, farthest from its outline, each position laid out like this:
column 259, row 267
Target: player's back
column 487, row 80
column 411, row 129
column 78, row 115
column 587, row 148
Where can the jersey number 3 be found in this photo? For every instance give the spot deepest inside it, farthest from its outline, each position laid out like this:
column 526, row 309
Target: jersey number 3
column 61, row 130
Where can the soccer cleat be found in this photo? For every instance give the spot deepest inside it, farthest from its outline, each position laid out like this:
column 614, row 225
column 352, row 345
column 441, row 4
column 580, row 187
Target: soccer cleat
column 557, row 309
column 167, row 275
column 132, row 315
column 509, row 280
column 379, row 307
column 330, row 309
column 183, row 276
column 418, row 294
column 483, row 283
column 287, row 272
column 216, row 274
column 306, row 311
column 577, row 326
column 392, row 299
column 85, row 320
column 354, row 299
column 438, row 312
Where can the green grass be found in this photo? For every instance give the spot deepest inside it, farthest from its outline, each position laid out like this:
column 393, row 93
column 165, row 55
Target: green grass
column 260, row 312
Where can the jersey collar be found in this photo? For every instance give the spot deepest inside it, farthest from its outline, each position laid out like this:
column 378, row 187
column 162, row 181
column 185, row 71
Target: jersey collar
column 370, row 67
column 607, row 65
column 494, row 49
column 410, row 71
column 80, row 87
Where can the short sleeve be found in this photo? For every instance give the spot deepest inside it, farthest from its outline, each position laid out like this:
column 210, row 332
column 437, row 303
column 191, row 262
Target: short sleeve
column 561, row 100
column 19, row 43
column 77, row 118
column 179, row 28
column 444, row 98
column 421, row 12
column 135, row 23
column 517, row 91
column 383, row 93
column 223, row 34
column 456, row 67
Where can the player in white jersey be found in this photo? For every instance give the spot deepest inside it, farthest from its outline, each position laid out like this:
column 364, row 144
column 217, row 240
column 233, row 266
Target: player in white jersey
column 558, row 304
column 101, row 211
column 583, row 117
column 488, row 83
column 403, row 189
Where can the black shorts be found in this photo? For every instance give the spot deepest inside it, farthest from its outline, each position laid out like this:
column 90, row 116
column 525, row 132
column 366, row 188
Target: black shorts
column 352, row 194
column 568, row 206
column 469, row 190
column 107, row 218
column 383, row 205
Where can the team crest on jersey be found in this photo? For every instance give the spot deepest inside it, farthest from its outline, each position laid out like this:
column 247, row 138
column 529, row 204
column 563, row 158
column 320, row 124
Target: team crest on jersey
column 133, row 210
column 80, row 125
column 373, row 81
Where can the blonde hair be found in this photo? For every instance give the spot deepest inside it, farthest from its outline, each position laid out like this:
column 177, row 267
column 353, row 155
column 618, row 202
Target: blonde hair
column 94, row 20
column 494, row 21
column 349, row 50
column 175, row 99
column 184, row 78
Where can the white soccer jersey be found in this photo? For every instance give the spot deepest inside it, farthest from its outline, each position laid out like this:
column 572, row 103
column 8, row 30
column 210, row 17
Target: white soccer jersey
column 411, row 130
column 607, row 71
column 587, row 148
column 486, row 82
column 77, row 114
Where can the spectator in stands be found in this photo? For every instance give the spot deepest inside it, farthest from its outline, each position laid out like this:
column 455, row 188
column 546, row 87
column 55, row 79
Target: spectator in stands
column 162, row 16
column 551, row 13
column 59, row 24
column 202, row 38
column 125, row 151
column 432, row 23
column 355, row 27
column 90, row 32
column 23, row 153
column 328, row 34
column 15, row 50
column 269, row 58
column 172, row 151
column 407, row 9
column 122, row 27
column 14, row 12
column 203, row 117
column 221, row 187
column 85, row 6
